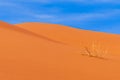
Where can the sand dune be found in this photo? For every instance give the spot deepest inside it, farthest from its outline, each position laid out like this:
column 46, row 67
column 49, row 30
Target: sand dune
column 40, row 51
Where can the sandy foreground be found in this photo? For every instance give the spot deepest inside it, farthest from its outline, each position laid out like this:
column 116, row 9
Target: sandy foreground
column 39, row 51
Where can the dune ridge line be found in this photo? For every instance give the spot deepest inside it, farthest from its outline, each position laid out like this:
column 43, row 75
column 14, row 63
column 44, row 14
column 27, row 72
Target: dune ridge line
column 16, row 28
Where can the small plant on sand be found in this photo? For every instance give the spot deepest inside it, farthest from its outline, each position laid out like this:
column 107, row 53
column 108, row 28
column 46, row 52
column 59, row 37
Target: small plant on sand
column 95, row 50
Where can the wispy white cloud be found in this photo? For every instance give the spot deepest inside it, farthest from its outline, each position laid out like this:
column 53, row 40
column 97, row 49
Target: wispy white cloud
column 77, row 1
column 44, row 16
column 61, row 1
column 21, row 9
column 2, row 3
column 26, row 1
column 93, row 0
column 69, row 19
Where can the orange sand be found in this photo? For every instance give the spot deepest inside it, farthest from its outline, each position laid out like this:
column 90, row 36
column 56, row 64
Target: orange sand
column 39, row 51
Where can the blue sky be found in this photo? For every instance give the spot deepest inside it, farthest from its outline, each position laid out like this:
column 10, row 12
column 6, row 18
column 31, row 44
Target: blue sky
column 97, row 15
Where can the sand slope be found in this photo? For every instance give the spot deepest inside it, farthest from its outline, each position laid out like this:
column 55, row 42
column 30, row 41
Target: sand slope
column 39, row 51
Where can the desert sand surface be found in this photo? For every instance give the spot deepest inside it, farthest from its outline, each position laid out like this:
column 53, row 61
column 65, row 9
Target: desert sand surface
column 41, row 51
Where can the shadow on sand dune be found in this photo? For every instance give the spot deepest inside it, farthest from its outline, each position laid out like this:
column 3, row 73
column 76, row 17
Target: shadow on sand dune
column 18, row 29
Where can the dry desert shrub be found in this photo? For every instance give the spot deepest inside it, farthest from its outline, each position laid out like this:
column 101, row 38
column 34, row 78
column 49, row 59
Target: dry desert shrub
column 95, row 49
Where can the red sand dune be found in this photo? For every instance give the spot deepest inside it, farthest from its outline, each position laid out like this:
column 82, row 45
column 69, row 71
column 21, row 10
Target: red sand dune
column 39, row 51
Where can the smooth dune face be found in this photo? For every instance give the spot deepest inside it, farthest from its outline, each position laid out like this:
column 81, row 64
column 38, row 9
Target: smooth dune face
column 39, row 51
